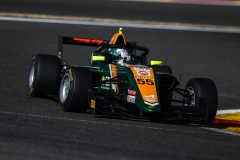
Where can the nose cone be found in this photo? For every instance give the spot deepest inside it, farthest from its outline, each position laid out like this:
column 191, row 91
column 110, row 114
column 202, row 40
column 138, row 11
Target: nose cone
column 146, row 84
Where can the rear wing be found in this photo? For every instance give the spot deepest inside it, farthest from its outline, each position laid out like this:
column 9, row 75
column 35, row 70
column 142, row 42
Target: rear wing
column 78, row 41
column 95, row 43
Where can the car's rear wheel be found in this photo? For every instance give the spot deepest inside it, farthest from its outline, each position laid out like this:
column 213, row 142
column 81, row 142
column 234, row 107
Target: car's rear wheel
column 202, row 98
column 75, row 88
column 44, row 76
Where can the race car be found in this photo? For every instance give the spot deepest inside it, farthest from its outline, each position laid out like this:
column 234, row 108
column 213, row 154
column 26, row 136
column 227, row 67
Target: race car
column 120, row 81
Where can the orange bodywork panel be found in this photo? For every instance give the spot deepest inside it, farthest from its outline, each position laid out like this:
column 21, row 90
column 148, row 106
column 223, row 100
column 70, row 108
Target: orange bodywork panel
column 144, row 78
column 113, row 71
column 116, row 37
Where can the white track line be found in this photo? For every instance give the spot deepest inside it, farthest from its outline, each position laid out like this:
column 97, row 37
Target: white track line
column 199, row 28
column 228, row 111
column 222, row 131
column 98, row 122
column 119, row 124
column 196, row 2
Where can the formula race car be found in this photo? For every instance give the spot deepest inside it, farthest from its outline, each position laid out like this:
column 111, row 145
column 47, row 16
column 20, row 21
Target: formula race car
column 119, row 81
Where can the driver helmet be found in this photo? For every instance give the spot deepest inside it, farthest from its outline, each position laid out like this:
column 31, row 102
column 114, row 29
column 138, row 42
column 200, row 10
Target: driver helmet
column 120, row 55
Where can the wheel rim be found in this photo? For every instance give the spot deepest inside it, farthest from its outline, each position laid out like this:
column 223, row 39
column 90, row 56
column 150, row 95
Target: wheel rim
column 32, row 75
column 64, row 88
column 191, row 100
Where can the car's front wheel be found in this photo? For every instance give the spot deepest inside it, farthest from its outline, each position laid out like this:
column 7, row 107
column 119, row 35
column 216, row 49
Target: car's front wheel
column 75, row 88
column 202, row 98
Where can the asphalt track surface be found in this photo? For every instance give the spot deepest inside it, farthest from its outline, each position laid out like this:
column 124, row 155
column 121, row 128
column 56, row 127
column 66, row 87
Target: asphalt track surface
column 33, row 128
column 166, row 12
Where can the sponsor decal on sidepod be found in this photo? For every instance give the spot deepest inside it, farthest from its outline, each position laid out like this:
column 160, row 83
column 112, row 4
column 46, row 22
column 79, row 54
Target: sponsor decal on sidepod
column 131, row 99
column 131, row 92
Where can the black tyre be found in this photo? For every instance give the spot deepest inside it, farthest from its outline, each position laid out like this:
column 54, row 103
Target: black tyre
column 203, row 98
column 75, row 89
column 45, row 75
column 162, row 69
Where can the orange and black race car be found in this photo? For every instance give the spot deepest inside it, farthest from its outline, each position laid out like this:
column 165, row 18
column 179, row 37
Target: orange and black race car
column 119, row 81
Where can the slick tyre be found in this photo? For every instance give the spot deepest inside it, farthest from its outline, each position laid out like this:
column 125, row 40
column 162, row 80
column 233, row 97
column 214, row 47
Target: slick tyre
column 75, row 89
column 203, row 98
column 44, row 76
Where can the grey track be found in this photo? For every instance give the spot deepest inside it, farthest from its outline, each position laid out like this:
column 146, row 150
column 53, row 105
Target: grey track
column 219, row 15
column 33, row 128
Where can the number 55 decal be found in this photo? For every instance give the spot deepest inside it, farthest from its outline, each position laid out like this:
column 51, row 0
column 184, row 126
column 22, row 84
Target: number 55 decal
column 145, row 81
